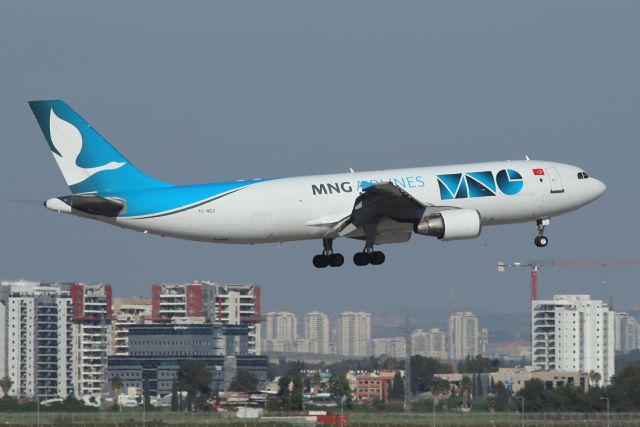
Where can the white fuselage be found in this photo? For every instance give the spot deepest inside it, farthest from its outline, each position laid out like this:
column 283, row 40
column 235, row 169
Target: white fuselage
column 310, row 207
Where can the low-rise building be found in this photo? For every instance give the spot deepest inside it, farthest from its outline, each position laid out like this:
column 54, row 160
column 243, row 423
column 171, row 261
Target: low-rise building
column 375, row 386
column 161, row 371
column 157, row 351
column 514, row 378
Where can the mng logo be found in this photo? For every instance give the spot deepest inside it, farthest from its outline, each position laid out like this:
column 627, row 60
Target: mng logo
column 479, row 184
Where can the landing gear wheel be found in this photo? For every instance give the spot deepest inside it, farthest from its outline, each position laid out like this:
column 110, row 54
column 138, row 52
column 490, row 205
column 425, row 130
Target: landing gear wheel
column 320, row 261
column 336, row 260
column 376, row 257
column 327, row 257
column 360, row 259
column 541, row 241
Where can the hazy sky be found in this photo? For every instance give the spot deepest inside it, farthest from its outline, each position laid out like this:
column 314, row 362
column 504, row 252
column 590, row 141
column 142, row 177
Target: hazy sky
column 207, row 91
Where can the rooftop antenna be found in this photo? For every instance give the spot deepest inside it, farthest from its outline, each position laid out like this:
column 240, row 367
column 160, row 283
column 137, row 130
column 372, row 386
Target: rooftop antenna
column 452, row 301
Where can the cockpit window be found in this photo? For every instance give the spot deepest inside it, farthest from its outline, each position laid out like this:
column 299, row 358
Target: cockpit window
column 582, row 175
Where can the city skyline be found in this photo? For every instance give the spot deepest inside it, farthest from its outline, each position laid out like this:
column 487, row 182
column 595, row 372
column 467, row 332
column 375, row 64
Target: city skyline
column 65, row 338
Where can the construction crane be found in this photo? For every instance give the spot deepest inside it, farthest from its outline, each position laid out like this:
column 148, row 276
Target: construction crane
column 534, row 267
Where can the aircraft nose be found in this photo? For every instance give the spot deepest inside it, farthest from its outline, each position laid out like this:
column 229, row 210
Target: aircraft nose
column 599, row 188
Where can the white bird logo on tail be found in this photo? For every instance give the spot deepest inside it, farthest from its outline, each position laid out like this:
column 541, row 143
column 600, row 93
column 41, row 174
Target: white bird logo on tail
column 67, row 139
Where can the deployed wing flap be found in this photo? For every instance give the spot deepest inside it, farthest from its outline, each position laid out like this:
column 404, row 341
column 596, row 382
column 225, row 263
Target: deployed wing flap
column 387, row 231
column 382, row 201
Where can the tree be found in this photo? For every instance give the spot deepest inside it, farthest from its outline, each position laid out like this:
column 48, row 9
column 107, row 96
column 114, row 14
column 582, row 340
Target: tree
column 284, row 395
column 594, row 378
column 439, row 388
column 70, row 403
column 297, row 396
column 295, row 368
column 116, row 385
column 339, row 388
column 465, row 389
column 397, row 388
column 422, row 371
column 478, row 365
column 534, row 395
column 194, row 378
column 174, row 397
column 625, row 390
column 6, row 383
column 499, row 398
column 316, row 381
column 244, row 381
column 145, row 394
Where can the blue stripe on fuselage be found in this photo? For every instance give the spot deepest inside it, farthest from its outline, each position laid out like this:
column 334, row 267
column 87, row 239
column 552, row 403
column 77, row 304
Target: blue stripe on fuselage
column 158, row 200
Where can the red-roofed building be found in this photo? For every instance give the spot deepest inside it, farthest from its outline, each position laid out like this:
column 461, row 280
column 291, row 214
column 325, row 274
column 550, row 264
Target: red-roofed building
column 374, row 386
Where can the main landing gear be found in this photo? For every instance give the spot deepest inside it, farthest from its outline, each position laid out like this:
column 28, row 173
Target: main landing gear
column 541, row 240
column 328, row 258
column 368, row 255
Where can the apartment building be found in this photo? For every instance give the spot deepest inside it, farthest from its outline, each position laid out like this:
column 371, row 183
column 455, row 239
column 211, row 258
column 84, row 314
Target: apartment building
column 126, row 312
column 431, row 343
column 92, row 313
column 316, row 327
column 573, row 333
column 463, row 335
column 55, row 338
column 281, row 331
column 395, row 347
column 354, row 333
column 627, row 333
column 36, row 339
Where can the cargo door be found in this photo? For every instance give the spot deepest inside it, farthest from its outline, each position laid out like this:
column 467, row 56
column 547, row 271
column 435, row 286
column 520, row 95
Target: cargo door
column 555, row 180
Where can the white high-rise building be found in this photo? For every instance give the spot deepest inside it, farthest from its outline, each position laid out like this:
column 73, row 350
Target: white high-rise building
column 316, row 327
column 36, row 337
column 354, row 333
column 395, row 347
column 463, row 335
column 92, row 310
column 281, row 331
column 430, row 343
column 573, row 333
column 627, row 332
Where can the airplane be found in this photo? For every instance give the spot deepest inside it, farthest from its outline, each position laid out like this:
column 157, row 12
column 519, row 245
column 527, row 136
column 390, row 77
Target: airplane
column 378, row 207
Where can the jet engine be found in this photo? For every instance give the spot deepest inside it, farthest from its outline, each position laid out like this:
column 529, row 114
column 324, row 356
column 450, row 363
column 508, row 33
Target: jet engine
column 451, row 224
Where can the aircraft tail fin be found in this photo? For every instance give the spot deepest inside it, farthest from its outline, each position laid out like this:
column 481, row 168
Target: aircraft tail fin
column 87, row 161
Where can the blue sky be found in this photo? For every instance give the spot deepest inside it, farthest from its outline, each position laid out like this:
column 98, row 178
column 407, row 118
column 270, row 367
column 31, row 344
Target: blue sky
column 213, row 91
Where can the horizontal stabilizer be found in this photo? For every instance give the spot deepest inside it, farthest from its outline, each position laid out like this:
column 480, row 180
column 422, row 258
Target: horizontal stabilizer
column 87, row 203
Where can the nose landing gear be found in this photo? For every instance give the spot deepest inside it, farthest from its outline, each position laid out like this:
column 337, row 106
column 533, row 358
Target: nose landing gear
column 328, row 257
column 541, row 240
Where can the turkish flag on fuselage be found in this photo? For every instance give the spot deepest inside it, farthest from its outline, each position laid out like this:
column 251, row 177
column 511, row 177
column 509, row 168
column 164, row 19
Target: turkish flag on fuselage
column 538, row 172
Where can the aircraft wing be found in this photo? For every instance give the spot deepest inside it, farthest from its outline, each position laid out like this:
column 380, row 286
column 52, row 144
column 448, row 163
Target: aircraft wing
column 392, row 208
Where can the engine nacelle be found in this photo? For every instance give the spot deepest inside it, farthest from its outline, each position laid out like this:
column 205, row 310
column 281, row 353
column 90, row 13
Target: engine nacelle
column 451, row 224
